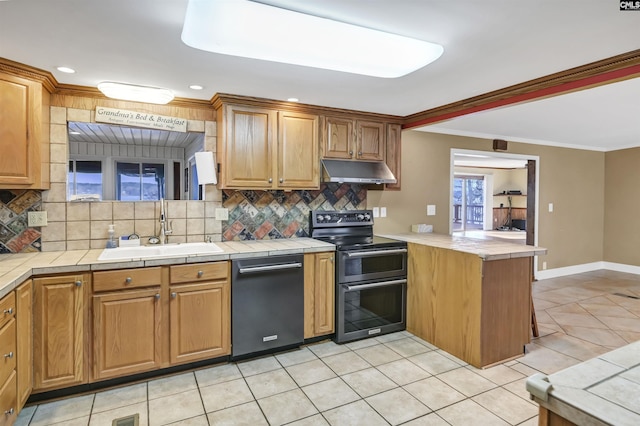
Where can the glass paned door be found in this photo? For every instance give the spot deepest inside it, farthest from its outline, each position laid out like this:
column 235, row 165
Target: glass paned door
column 468, row 203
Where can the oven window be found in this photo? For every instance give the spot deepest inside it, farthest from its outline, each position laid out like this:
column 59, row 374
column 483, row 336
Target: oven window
column 372, row 307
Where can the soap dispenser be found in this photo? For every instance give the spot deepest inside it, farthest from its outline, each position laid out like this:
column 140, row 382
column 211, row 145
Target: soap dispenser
column 111, row 242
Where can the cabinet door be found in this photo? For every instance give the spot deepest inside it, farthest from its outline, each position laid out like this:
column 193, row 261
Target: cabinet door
column 8, row 407
column 200, row 321
column 394, row 137
column 319, row 294
column 298, row 160
column 371, row 140
column 58, row 332
column 126, row 333
column 24, row 338
column 246, row 147
column 338, row 138
column 19, row 131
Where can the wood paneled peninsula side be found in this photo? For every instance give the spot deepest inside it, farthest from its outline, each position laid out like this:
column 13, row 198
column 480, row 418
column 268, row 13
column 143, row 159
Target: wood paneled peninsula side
column 470, row 297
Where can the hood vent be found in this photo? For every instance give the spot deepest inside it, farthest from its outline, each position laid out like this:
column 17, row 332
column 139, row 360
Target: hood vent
column 356, row 172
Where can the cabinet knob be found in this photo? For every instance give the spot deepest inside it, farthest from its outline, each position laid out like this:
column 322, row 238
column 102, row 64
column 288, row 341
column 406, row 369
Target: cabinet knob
column 8, row 311
column 270, row 180
column 331, row 259
column 173, row 295
column 9, row 355
column 281, row 180
column 351, row 153
column 9, row 412
column 128, row 280
column 200, row 274
column 78, row 283
column 359, row 153
column 157, row 296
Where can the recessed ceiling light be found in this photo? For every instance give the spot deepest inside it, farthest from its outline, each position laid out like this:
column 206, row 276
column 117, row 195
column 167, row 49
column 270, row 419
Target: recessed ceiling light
column 255, row 30
column 293, row 99
column 196, row 87
column 66, row 70
column 73, row 132
column 132, row 92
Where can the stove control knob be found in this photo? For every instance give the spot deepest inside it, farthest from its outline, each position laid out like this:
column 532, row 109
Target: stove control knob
column 327, row 217
column 360, row 217
column 367, row 216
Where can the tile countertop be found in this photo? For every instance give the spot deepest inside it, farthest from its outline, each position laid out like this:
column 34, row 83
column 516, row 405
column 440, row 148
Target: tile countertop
column 601, row 391
column 15, row 268
column 486, row 249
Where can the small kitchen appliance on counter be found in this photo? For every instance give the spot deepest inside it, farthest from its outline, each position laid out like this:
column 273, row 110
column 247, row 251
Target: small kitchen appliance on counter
column 371, row 274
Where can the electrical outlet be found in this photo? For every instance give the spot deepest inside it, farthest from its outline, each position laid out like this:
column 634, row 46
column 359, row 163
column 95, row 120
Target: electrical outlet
column 222, row 214
column 37, row 218
column 376, row 211
column 431, row 210
column 544, row 265
column 383, row 212
column 550, row 207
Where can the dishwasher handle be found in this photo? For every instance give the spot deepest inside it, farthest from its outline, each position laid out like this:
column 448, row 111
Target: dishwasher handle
column 270, row 268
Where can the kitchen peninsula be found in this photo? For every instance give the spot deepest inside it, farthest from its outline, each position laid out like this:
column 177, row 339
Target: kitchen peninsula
column 470, row 297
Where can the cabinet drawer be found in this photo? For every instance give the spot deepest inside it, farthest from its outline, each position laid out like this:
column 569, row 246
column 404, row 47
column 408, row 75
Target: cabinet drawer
column 8, row 401
column 126, row 278
column 7, row 308
column 199, row 272
column 7, row 350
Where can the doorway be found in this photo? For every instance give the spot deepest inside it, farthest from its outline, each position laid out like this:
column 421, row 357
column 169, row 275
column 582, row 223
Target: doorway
column 468, row 202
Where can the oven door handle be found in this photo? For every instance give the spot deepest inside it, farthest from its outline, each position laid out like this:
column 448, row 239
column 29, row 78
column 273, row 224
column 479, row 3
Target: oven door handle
column 268, row 268
column 372, row 285
column 375, row 252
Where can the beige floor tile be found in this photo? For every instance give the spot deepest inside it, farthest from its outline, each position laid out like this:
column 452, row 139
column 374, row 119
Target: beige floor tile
column 385, row 338
column 498, row 374
column 403, row 371
column 407, row 347
column 546, row 360
column 172, row 385
column 270, row 383
column 315, row 420
column 507, row 406
column 378, row 354
column 310, row 372
column 429, row 420
column 63, row 410
column 596, row 336
column 424, row 342
column 325, row 349
column 571, row 346
column 218, row 374
column 106, row 418
column 531, row 422
column 451, row 357
column 257, row 366
column 434, row 393
column 119, row 397
column 433, row 362
column 248, row 414
column 607, row 310
column 467, row 413
column 330, row 394
column 193, row 421
column 224, row 395
column 297, row 356
column 359, row 344
column 518, row 388
column 629, row 336
column 354, row 414
column 397, row 406
column 466, row 381
column 172, row 408
column 581, row 320
column 346, row 362
column 286, row 407
column 569, row 308
column 368, row 382
column 80, row 421
column 621, row 324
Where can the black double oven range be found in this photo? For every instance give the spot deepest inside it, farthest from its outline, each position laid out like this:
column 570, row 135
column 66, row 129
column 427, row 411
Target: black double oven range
column 371, row 274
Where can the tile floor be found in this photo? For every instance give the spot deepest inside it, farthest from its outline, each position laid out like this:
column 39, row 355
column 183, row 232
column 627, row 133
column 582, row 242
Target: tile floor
column 392, row 379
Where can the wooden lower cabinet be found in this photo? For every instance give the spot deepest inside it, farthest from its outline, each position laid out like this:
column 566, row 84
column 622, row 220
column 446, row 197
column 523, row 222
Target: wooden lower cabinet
column 127, row 333
column 319, row 294
column 59, row 325
column 8, row 401
column 24, row 338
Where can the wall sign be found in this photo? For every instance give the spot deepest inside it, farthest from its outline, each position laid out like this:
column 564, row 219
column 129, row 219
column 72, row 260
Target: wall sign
column 140, row 119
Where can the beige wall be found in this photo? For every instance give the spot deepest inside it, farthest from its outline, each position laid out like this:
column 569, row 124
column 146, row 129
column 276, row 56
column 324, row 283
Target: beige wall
column 621, row 224
column 573, row 180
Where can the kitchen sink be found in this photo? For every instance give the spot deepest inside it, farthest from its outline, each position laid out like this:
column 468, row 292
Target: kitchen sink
column 168, row 250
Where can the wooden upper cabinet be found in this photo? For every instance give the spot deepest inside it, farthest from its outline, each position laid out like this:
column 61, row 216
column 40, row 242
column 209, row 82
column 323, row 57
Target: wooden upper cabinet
column 338, row 138
column 370, row 140
column 246, row 136
column 298, row 160
column 23, row 134
column 393, row 146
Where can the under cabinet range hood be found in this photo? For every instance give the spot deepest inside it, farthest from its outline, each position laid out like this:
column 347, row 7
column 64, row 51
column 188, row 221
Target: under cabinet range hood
column 356, row 172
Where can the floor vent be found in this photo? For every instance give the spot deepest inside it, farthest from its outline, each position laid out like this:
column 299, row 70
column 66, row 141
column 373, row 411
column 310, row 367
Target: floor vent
column 127, row 421
column 627, row 295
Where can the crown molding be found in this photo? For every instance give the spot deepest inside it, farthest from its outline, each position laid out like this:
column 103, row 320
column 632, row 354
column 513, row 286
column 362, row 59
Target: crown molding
column 47, row 79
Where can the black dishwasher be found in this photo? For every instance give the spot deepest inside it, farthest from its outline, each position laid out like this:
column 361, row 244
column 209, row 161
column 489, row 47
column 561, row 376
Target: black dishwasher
column 267, row 304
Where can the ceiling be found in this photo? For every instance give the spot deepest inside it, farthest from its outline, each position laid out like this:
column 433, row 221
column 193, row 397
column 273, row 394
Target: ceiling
column 488, row 45
column 105, row 133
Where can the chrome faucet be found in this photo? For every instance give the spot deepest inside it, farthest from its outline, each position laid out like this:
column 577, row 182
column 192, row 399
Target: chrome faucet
column 165, row 226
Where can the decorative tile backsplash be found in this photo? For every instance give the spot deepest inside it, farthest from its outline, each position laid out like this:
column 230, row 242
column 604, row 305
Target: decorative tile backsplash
column 260, row 215
column 15, row 235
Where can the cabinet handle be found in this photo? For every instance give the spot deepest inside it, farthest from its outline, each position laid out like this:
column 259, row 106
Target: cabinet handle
column 78, row 283
column 200, row 274
column 8, row 311
column 157, row 296
column 9, row 412
column 9, row 355
column 270, row 180
column 351, row 153
column 128, row 280
column 173, row 295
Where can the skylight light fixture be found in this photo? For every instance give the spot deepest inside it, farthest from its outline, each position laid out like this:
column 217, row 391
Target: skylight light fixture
column 132, row 92
column 254, row 30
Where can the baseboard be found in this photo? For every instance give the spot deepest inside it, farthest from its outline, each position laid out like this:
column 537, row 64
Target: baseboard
column 586, row 267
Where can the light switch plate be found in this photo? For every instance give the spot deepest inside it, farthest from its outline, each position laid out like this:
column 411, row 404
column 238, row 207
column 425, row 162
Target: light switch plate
column 222, row 214
column 431, row 210
column 37, row 218
column 383, row 212
column 376, row 211
column 550, row 207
